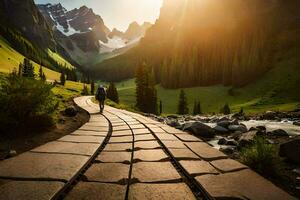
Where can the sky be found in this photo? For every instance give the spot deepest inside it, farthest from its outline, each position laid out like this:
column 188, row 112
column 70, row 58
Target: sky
column 116, row 13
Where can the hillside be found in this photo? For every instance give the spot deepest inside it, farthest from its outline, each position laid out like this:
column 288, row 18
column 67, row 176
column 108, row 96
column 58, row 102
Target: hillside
column 210, row 42
column 10, row 60
column 278, row 89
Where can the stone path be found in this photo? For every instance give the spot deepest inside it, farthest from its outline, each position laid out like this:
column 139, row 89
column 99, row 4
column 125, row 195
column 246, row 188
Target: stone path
column 123, row 155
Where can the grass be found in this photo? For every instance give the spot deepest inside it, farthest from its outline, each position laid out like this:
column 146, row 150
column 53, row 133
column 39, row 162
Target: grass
column 277, row 90
column 10, row 59
column 261, row 157
column 60, row 59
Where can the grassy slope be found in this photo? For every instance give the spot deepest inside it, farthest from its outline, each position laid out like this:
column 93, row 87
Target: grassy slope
column 10, row 59
column 60, row 59
column 277, row 90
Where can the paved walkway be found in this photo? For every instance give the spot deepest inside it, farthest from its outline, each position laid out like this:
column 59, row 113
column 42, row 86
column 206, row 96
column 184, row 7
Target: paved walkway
column 123, row 155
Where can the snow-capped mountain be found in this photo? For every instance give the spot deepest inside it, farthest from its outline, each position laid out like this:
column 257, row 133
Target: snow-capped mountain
column 83, row 33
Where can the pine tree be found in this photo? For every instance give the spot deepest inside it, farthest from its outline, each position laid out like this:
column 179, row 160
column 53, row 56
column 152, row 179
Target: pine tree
column 226, row 109
column 160, row 107
column 140, row 87
column 182, row 104
column 27, row 69
column 112, row 93
column 62, row 78
column 195, row 110
column 93, row 87
column 20, row 71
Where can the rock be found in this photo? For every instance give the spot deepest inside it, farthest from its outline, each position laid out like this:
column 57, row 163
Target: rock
column 240, row 127
column 71, row 111
column 269, row 115
column 222, row 141
column 12, row 153
column 224, row 124
column 234, row 122
column 227, row 150
column 220, row 129
column 261, row 128
column 296, row 123
column 199, row 129
column 236, row 135
column 222, row 119
column 231, row 143
column 279, row 133
column 247, row 138
column 173, row 123
column 291, row 150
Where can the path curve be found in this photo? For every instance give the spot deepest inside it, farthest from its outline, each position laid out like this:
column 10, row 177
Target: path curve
column 124, row 155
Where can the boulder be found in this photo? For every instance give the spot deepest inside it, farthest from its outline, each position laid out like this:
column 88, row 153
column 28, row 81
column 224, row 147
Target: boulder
column 247, row 138
column 231, row 143
column 222, row 141
column 228, row 150
column 279, row 133
column 240, row 127
column 261, row 128
column 296, row 123
column 224, row 124
column 236, row 135
column 173, row 123
column 291, row 150
column 269, row 115
column 199, row 129
column 71, row 111
column 220, row 129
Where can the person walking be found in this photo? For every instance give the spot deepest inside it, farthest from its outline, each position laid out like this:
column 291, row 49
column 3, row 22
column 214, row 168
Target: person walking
column 101, row 96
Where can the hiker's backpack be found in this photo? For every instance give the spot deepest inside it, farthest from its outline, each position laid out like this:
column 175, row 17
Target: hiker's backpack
column 101, row 94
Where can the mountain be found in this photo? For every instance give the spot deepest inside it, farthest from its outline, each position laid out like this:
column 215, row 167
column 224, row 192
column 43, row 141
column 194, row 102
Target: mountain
column 85, row 36
column 26, row 30
column 208, row 42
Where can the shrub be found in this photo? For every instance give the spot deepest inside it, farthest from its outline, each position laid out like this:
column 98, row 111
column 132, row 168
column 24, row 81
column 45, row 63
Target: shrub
column 85, row 90
column 23, row 102
column 260, row 156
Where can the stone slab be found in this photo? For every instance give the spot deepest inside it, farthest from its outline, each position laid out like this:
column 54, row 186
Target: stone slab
column 97, row 191
column 82, row 139
column 145, row 137
column 121, row 139
column 198, row 167
column 114, row 157
column 118, row 124
column 140, row 131
column 183, row 154
column 174, row 144
column 172, row 130
column 97, row 124
column 157, row 130
column 137, row 126
column 228, row 165
column 188, row 138
column 205, row 151
column 68, row 148
column 173, row 191
column 244, row 184
column 107, row 172
column 147, row 172
column 150, row 155
column 37, row 165
column 121, row 133
column 147, row 145
column 90, row 133
column 29, row 190
column 120, row 128
column 166, row 136
column 118, row 147
column 93, row 128
column 134, row 122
